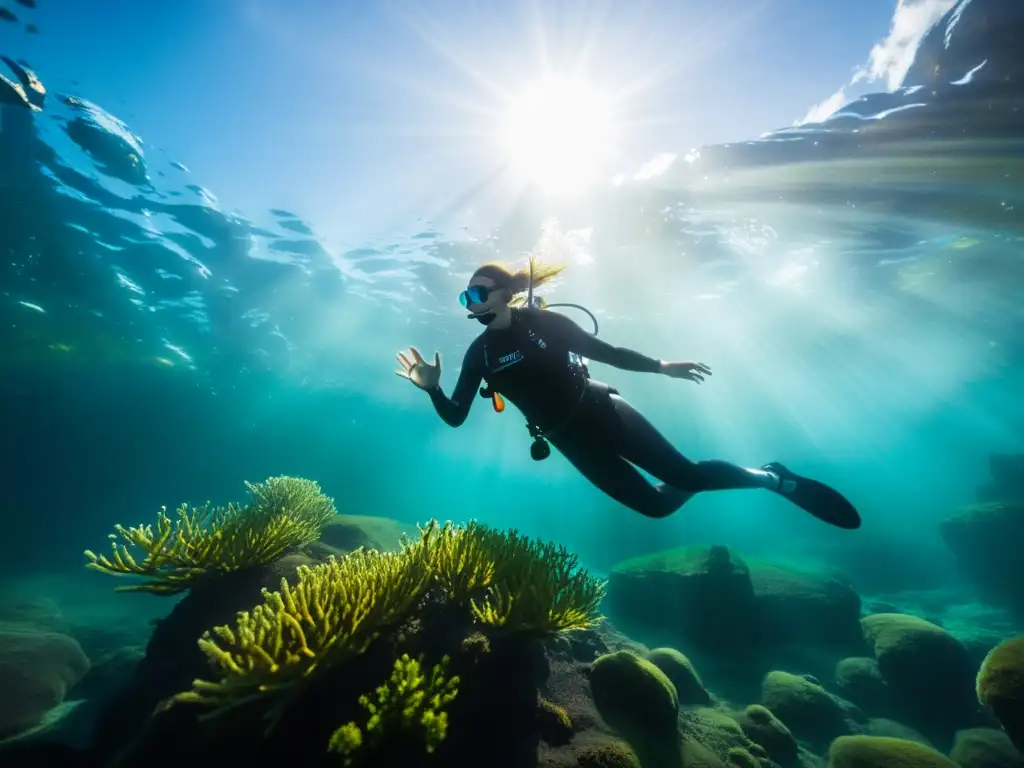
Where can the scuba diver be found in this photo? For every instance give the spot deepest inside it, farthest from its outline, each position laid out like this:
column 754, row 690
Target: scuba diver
column 534, row 357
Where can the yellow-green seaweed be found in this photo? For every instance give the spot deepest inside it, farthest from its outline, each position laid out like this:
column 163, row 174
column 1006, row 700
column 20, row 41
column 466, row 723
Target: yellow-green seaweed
column 284, row 512
column 408, row 700
column 335, row 610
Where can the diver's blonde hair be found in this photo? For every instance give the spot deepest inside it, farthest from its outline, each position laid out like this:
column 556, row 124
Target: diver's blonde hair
column 518, row 281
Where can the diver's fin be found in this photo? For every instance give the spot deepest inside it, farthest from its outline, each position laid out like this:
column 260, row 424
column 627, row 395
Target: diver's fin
column 825, row 503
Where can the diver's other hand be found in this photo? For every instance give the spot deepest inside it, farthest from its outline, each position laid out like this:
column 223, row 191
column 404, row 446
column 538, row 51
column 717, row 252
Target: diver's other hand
column 419, row 371
column 691, row 371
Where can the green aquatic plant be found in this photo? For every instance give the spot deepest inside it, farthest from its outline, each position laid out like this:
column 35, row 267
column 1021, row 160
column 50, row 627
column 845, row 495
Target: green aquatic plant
column 335, row 610
column 283, row 512
column 408, row 702
column 536, row 586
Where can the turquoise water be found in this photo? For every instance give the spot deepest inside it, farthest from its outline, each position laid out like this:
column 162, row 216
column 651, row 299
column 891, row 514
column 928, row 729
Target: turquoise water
column 856, row 286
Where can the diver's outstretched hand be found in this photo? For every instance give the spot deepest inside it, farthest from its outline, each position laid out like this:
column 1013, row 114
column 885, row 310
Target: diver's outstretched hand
column 690, row 371
column 419, row 371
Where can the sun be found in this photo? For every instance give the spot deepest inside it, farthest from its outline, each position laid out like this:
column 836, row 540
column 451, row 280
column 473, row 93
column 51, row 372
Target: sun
column 559, row 135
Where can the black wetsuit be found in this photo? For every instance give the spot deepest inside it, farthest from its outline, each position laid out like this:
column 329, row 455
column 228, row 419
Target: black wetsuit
column 535, row 365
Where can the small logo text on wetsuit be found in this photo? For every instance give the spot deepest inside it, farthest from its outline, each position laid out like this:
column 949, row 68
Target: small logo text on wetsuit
column 512, row 357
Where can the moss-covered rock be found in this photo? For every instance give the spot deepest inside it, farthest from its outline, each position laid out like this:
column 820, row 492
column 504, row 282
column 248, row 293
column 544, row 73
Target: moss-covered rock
column 677, row 668
column 611, row 753
column 985, row 538
column 715, row 730
column 881, row 752
column 762, row 727
column 1000, row 687
column 37, row 669
column 805, row 606
column 927, row 669
column 713, row 603
column 699, row 595
column 741, row 758
column 985, row 748
column 808, row 710
column 858, row 679
column 634, row 697
column 346, row 533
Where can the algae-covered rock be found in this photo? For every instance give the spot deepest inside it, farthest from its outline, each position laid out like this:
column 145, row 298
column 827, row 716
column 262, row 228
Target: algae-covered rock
column 858, row 679
column 1000, row 687
column 350, row 532
column 928, row 670
column 608, row 753
column 710, row 602
column 37, row 669
column 808, row 710
column 881, row 752
column 684, row 677
column 985, row 539
column 698, row 594
column 809, row 607
column 633, row 696
column 985, row 748
column 741, row 758
column 762, row 727
column 716, row 731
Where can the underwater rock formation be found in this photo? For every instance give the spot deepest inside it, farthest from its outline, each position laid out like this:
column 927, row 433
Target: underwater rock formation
column 37, row 668
column 734, row 620
column 1006, row 481
column 985, row 538
column 928, row 671
column 345, row 533
column 810, row 712
column 882, row 752
column 859, row 680
column 1000, row 687
column 762, row 727
column 679, row 669
column 985, row 748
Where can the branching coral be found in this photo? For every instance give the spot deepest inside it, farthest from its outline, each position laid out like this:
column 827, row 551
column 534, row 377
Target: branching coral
column 536, row 586
column 407, row 701
column 336, row 610
column 284, row 512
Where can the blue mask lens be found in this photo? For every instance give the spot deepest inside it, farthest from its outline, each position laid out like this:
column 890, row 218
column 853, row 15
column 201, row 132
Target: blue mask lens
column 475, row 294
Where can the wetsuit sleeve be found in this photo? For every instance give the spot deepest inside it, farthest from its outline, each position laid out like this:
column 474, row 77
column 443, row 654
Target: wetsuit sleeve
column 588, row 345
column 454, row 410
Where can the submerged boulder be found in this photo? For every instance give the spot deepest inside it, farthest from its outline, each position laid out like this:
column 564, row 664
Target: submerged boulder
column 1000, row 687
column 345, row 533
column 810, row 712
column 985, row 539
column 710, row 599
column 927, row 669
column 883, row 752
column 37, row 669
column 681, row 672
column 762, row 727
column 703, row 596
column 985, row 748
column 805, row 607
column 859, row 680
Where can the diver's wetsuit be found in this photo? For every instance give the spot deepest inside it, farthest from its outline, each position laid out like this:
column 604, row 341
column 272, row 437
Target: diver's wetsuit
column 534, row 363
